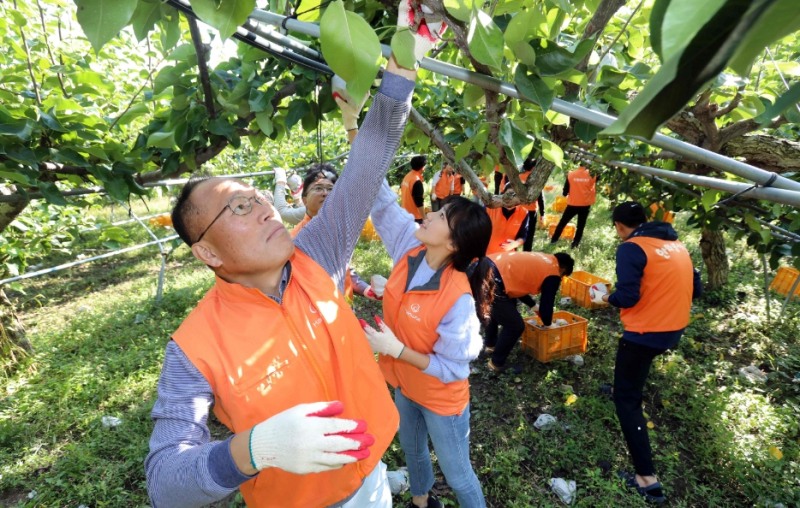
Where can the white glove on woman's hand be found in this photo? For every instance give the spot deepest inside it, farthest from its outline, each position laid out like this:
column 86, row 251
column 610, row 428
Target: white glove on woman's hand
column 280, row 175
column 383, row 341
column 597, row 291
column 350, row 110
column 306, row 439
column 378, row 283
column 425, row 28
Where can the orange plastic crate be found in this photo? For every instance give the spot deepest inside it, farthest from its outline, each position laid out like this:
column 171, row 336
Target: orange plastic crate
column 560, row 204
column 568, row 232
column 546, row 344
column 784, row 280
column 577, row 285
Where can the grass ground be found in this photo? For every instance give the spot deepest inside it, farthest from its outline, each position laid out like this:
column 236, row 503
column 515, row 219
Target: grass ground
column 719, row 440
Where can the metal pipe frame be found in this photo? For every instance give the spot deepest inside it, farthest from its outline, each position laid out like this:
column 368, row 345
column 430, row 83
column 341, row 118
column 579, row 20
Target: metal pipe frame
column 718, row 161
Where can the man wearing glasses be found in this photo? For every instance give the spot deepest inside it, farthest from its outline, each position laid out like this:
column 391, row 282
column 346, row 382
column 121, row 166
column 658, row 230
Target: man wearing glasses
column 273, row 347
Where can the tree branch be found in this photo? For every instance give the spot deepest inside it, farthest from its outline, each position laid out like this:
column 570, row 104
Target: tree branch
column 30, row 65
column 49, row 51
column 199, row 48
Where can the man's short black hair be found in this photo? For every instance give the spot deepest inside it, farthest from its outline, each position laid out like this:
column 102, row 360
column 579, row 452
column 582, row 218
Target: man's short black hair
column 319, row 171
column 184, row 214
column 565, row 262
column 418, row 161
column 528, row 164
column 629, row 213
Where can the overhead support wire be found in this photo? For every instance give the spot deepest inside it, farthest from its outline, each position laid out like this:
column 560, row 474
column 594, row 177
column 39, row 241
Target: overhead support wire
column 576, row 111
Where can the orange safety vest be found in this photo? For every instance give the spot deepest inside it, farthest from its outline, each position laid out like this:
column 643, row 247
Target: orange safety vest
column 502, row 228
column 581, row 187
column 665, row 293
column 261, row 358
column 406, row 199
column 348, row 281
column 413, row 315
column 524, row 272
column 445, row 186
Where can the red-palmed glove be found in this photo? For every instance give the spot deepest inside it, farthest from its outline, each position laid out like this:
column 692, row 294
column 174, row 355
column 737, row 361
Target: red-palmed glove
column 371, row 294
column 426, row 28
column 597, row 291
column 350, row 110
column 307, row 439
column 384, row 341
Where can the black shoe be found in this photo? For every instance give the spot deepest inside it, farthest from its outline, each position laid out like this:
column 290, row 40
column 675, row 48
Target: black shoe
column 512, row 367
column 433, row 502
column 653, row 493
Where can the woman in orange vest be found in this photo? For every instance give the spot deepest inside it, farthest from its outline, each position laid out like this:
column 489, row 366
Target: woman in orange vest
column 509, row 228
column 435, row 309
column 581, row 194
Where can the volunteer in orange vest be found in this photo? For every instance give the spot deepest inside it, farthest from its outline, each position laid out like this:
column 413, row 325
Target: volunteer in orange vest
column 412, row 190
column 581, row 194
column 532, row 208
column 518, row 275
column 273, row 348
column 509, row 227
column 656, row 283
column 433, row 311
column 445, row 183
column 317, row 185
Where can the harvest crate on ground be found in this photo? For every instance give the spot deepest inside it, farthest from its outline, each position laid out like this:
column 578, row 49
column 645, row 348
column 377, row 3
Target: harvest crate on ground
column 568, row 233
column 559, row 205
column 547, row 344
column 784, row 279
column 577, row 285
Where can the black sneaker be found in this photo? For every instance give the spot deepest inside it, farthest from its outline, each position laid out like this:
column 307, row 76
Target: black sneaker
column 433, row 502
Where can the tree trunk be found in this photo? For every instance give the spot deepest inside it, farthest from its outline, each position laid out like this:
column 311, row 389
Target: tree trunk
column 712, row 245
column 14, row 346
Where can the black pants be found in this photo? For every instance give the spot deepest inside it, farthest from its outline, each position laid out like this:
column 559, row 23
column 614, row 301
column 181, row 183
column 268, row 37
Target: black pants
column 527, row 245
column 505, row 323
column 571, row 211
column 435, row 203
column 630, row 373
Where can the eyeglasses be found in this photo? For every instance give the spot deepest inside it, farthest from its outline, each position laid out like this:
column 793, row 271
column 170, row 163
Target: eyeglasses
column 319, row 189
column 240, row 205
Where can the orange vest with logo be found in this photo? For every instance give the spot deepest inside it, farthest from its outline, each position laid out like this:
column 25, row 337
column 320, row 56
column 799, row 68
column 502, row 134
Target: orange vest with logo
column 581, row 187
column 406, row 199
column 261, row 358
column 524, row 272
column 448, row 185
column 504, row 229
column 413, row 315
column 665, row 294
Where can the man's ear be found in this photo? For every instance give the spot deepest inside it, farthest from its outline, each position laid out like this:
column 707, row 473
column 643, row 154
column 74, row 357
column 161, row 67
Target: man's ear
column 206, row 253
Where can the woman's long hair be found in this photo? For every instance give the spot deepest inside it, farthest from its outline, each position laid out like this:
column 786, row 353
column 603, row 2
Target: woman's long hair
column 470, row 232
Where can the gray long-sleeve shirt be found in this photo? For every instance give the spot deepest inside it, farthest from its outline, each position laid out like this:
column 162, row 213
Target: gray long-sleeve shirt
column 184, row 466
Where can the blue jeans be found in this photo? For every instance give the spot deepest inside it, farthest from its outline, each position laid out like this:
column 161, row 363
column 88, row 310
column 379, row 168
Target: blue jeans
column 450, row 438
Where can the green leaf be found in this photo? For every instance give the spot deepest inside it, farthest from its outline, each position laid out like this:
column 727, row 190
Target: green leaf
column 13, row 176
column 516, row 143
column 533, row 88
column 298, row 108
column 134, row 112
column 170, row 33
column 102, row 20
column 485, row 41
column 656, row 25
column 525, row 53
column 309, row 11
column 51, row 193
column 264, row 121
column 552, row 59
column 683, row 19
column 473, row 96
column 403, row 49
column 184, row 53
column 552, row 152
column 117, row 189
column 518, row 28
column 710, row 197
column 785, row 101
column 144, row 18
column 225, row 16
column 162, row 139
column 586, row 131
column 460, row 9
column 780, row 19
column 351, row 48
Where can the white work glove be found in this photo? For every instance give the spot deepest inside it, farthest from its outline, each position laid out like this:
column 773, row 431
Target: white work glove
column 280, row 175
column 371, row 294
column 425, row 28
column 295, row 182
column 307, row 439
column 378, row 284
column 383, row 341
column 350, row 110
column 597, row 291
